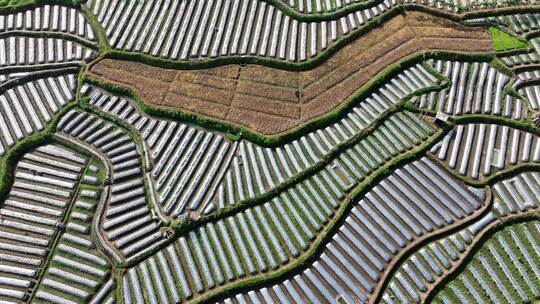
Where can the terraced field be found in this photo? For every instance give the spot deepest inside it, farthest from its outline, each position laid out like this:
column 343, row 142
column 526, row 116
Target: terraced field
column 269, row 151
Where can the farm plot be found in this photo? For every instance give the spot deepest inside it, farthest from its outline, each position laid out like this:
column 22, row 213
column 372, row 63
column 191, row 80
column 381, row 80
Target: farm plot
column 480, row 150
column 270, row 101
column 195, row 29
column 531, row 93
column 425, row 269
column 250, row 169
column 527, row 75
column 502, row 41
column 505, row 270
column 76, row 269
column 18, row 52
column 46, row 180
column 26, row 109
column 475, row 88
column 48, row 18
column 128, row 222
column 262, row 238
column 266, row 105
column 523, row 60
column 413, row 202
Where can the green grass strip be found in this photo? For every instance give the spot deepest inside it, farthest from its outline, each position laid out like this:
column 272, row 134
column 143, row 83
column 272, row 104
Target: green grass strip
column 503, row 41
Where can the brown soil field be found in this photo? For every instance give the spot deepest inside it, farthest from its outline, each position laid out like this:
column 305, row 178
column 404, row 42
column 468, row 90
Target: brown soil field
column 271, row 101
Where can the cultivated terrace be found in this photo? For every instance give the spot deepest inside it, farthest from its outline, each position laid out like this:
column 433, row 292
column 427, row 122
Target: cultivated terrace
column 269, row 151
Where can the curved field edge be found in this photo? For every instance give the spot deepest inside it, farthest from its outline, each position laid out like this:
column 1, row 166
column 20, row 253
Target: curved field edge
column 181, row 226
column 9, row 161
column 483, row 239
column 47, row 136
column 441, row 233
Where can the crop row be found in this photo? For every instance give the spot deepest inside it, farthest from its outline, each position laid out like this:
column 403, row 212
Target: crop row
column 532, row 94
column 51, row 18
column 521, row 60
column 128, row 222
column 423, row 270
column 475, row 88
column 506, row 270
column 45, row 183
column 525, row 76
column 27, row 108
column 28, row 50
column 478, row 150
column 195, row 29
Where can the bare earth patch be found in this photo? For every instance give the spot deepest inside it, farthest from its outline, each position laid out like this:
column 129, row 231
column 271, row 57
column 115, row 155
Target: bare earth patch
column 271, row 101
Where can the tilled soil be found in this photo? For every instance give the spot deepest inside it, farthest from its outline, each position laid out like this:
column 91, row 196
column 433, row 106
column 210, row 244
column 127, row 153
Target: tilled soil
column 271, row 101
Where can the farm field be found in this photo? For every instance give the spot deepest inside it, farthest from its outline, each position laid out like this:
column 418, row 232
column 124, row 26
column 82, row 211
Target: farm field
column 269, row 151
column 271, row 101
column 502, row 41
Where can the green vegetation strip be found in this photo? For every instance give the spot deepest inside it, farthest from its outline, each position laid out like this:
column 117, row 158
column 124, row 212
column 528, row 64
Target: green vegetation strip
column 99, row 32
column 477, row 248
column 503, row 41
column 15, row 6
column 50, row 34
